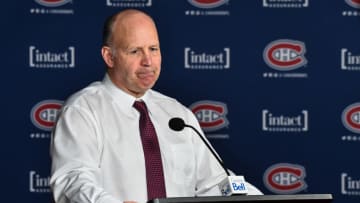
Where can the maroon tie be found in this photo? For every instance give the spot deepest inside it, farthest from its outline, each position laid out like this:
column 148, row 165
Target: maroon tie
column 154, row 170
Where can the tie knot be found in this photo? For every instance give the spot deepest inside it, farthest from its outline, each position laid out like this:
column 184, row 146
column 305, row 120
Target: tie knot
column 140, row 106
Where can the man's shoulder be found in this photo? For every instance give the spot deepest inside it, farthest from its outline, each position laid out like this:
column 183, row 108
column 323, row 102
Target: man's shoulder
column 94, row 91
column 160, row 97
column 167, row 102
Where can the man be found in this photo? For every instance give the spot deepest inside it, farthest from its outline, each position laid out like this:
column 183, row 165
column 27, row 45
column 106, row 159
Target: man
column 97, row 148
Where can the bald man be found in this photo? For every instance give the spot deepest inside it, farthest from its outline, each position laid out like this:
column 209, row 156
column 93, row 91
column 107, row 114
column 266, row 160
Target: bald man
column 96, row 146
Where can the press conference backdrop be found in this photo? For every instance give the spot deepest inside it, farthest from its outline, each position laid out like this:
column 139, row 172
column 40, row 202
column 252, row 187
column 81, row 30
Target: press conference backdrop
column 274, row 84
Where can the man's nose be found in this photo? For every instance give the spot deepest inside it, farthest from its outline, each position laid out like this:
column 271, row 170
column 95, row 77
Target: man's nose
column 146, row 59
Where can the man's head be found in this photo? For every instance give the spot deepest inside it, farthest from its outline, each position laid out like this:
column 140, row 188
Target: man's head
column 131, row 51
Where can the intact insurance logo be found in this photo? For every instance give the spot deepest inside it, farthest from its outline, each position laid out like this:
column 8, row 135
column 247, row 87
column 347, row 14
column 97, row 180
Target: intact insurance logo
column 286, row 3
column 52, row 7
column 285, row 178
column 208, row 8
column 352, row 8
column 199, row 59
column 286, row 57
column 212, row 117
column 349, row 60
column 129, row 3
column 275, row 122
column 350, row 185
column 351, row 120
column 43, row 115
column 54, row 59
column 38, row 183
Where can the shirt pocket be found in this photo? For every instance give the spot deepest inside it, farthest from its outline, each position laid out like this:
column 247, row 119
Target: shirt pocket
column 183, row 164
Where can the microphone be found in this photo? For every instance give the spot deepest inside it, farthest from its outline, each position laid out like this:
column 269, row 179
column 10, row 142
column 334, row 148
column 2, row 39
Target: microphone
column 177, row 124
column 231, row 184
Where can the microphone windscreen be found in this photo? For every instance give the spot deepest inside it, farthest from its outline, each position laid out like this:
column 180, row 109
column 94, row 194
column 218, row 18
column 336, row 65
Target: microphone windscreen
column 176, row 124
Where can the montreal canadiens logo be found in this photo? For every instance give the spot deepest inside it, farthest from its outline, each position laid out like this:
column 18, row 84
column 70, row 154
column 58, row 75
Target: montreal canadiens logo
column 210, row 114
column 43, row 115
column 285, row 178
column 285, row 55
column 52, row 3
column 353, row 3
column 207, row 3
column 351, row 118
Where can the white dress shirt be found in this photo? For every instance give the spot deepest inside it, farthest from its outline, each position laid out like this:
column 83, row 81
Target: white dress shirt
column 97, row 156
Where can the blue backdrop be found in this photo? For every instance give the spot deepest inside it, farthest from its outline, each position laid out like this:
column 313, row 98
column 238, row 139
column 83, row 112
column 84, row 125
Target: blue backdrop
column 272, row 82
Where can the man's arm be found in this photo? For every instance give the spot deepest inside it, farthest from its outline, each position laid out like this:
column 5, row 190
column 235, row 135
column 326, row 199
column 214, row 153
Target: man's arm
column 75, row 153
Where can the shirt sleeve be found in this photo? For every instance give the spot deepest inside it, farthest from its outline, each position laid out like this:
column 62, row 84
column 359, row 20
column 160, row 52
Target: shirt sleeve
column 76, row 152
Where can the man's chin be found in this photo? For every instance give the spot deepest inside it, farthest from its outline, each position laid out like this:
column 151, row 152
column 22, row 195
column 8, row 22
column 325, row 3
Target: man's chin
column 141, row 90
column 146, row 86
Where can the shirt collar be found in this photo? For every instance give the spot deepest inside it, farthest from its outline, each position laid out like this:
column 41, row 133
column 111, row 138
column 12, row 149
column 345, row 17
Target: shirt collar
column 126, row 100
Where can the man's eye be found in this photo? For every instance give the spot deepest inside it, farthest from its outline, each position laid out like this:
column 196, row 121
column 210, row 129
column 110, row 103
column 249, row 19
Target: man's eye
column 133, row 51
column 154, row 49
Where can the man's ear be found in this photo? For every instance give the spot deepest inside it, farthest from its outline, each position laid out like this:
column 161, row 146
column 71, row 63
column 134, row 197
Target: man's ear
column 107, row 56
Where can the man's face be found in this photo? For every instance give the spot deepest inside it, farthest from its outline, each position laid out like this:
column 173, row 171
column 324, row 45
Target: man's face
column 136, row 55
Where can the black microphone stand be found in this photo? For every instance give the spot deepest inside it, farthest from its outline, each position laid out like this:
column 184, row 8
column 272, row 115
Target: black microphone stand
column 208, row 146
